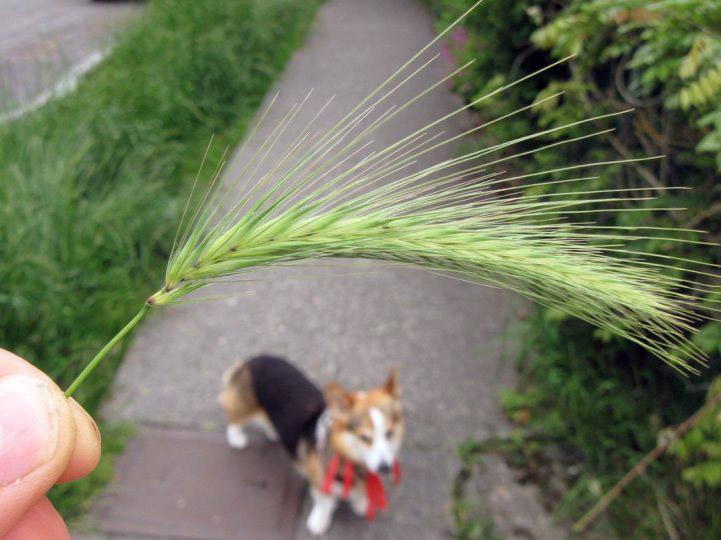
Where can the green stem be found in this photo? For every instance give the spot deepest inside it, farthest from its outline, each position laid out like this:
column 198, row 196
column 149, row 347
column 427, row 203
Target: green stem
column 105, row 350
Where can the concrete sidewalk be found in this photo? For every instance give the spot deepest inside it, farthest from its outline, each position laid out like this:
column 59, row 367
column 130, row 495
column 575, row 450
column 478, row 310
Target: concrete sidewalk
column 179, row 479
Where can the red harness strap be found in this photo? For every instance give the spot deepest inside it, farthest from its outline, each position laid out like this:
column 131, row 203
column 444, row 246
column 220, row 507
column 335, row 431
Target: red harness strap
column 376, row 495
column 397, row 473
column 348, row 477
column 330, row 473
column 375, row 492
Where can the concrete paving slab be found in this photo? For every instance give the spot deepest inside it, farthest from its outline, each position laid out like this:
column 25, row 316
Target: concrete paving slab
column 515, row 508
column 190, row 484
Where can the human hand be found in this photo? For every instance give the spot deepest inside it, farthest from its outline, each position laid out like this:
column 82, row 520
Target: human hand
column 44, row 439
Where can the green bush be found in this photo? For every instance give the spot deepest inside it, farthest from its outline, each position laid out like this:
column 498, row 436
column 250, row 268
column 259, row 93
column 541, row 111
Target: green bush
column 93, row 184
column 604, row 395
column 701, row 445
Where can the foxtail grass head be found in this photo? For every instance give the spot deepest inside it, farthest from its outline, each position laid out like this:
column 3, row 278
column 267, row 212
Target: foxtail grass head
column 333, row 194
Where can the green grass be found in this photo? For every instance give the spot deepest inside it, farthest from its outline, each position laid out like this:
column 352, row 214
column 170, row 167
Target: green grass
column 471, row 516
column 93, row 184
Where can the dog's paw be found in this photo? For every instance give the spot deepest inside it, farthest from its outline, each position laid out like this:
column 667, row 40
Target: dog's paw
column 359, row 504
column 235, row 436
column 318, row 522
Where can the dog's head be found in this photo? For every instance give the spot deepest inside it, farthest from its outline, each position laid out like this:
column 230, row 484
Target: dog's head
column 366, row 427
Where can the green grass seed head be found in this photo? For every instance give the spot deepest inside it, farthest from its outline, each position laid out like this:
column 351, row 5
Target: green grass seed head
column 335, row 196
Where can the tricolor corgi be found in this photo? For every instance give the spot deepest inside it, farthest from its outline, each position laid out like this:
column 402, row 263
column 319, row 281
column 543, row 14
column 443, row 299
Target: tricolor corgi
column 340, row 441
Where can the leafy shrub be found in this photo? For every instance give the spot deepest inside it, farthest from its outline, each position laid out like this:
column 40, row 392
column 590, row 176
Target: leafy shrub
column 701, row 446
column 665, row 51
column 606, row 396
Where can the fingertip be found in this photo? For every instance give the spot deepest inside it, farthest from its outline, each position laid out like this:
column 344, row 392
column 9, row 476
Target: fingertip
column 86, row 453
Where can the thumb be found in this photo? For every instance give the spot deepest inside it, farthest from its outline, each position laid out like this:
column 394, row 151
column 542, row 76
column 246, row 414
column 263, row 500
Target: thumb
column 37, row 437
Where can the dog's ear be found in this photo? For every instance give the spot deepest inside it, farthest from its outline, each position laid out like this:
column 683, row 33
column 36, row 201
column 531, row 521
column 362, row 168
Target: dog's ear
column 337, row 397
column 391, row 385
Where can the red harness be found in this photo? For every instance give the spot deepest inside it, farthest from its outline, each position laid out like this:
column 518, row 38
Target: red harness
column 374, row 485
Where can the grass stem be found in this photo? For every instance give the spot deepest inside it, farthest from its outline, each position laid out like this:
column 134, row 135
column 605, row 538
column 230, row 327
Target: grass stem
column 105, row 350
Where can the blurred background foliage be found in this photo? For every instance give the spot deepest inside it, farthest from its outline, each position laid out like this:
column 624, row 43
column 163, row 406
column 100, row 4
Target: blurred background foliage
column 93, row 184
column 606, row 397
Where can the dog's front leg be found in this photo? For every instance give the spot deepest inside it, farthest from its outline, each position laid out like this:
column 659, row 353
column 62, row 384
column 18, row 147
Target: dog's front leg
column 322, row 512
column 235, row 435
column 358, row 500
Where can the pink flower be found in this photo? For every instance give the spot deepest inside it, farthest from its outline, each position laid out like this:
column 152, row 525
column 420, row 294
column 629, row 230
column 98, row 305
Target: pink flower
column 459, row 35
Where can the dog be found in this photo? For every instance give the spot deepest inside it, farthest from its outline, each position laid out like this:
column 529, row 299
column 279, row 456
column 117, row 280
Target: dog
column 340, row 441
